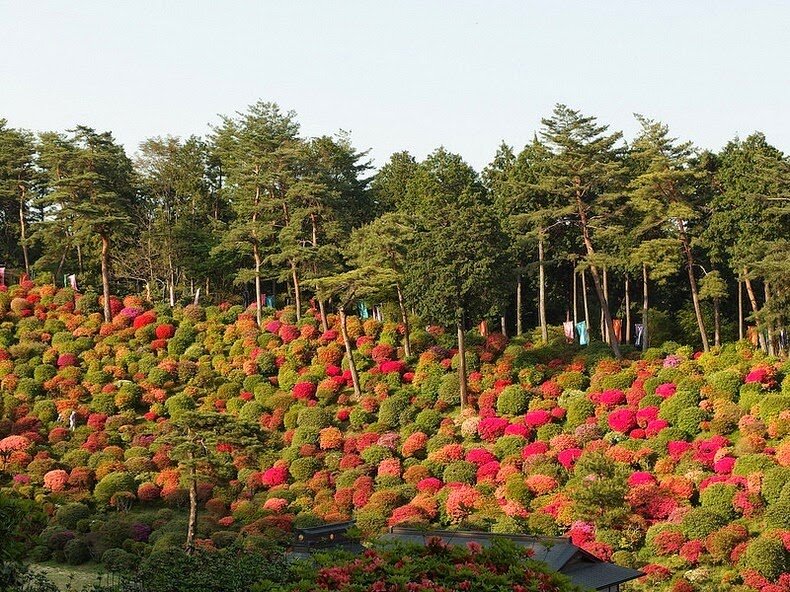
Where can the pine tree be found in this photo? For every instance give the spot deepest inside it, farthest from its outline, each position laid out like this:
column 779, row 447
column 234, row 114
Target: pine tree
column 585, row 173
column 17, row 180
column 459, row 266
column 665, row 193
column 90, row 193
column 257, row 149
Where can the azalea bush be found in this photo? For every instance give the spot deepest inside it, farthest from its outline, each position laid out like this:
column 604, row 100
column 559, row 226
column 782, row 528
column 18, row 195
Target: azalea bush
column 417, row 568
column 672, row 462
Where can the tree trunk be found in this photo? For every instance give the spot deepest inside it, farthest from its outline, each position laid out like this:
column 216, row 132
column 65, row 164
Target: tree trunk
column 105, row 276
column 503, row 325
column 604, row 336
column 23, row 228
column 193, row 501
column 575, row 296
column 322, row 310
column 693, row 284
column 405, row 319
column 584, row 298
column 171, row 283
column 297, row 291
column 769, row 328
column 627, row 288
column 352, row 367
column 544, row 329
column 256, row 253
column 716, row 323
column 462, row 362
column 519, row 314
column 645, row 303
column 755, row 310
column 740, row 310
column 597, row 282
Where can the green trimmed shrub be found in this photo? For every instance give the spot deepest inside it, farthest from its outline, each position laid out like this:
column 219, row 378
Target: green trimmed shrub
column 509, row 446
column 688, row 420
column 118, row 560
column 302, row 469
column 774, row 480
column 767, row 556
column 69, row 515
column 461, row 471
column 450, row 389
column 700, row 522
column 752, row 463
column 771, row 405
column 718, row 498
column 671, row 408
column 76, row 552
column 112, row 484
column 777, row 515
column 513, row 400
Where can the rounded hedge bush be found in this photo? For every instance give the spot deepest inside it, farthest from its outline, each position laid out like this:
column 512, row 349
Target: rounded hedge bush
column 69, row 515
column 302, row 469
column 112, row 484
column 513, row 400
column 76, row 552
column 718, row 498
column 118, row 560
column 767, row 556
column 460, row 471
column 700, row 522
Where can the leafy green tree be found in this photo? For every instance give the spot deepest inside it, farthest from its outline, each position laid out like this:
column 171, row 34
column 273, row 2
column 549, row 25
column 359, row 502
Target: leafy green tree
column 384, row 244
column 89, row 193
column 531, row 212
column 181, row 208
column 749, row 217
column 665, row 192
column 328, row 197
column 585, row 174
column 344, row 289
column 459, row 264
column 257, row 149
column 390, row 185
column 202, row 444
column 17, row 186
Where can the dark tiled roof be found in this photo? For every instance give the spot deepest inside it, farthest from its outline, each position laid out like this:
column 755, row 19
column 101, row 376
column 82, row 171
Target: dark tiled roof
column 558, row 553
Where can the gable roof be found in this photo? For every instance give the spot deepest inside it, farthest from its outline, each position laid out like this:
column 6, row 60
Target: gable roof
column 558, row 553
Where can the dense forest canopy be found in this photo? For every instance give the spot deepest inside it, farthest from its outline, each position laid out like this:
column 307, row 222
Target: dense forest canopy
column 580, row 224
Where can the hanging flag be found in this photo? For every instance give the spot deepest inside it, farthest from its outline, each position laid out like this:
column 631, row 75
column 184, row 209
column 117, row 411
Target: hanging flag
column 617, row 324
column 567, row 328
column 270, row 301
column 581, row 329
column 639, row 332
column 363, row 311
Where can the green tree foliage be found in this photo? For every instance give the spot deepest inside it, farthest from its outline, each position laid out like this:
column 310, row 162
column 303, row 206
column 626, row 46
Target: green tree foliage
column 586, row 173
column 89, row 197
column 449, row 278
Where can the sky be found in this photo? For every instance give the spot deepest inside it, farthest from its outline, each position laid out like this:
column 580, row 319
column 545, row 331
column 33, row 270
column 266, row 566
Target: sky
column 400, row 74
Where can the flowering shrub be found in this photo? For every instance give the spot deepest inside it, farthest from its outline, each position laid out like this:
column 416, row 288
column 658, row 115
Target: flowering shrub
column 672, row 462
column 503, row 567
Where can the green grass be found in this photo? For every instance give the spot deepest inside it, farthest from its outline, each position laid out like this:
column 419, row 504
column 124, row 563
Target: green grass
column 70, row 578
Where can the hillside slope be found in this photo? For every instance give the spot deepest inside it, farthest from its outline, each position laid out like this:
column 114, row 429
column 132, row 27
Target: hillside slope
column 676, row 463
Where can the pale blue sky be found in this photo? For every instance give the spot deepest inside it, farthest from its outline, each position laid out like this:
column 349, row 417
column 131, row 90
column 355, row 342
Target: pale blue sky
column 399, row 74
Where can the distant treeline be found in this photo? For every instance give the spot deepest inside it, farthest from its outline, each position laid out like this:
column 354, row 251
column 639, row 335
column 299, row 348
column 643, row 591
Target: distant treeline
column 578, row 225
